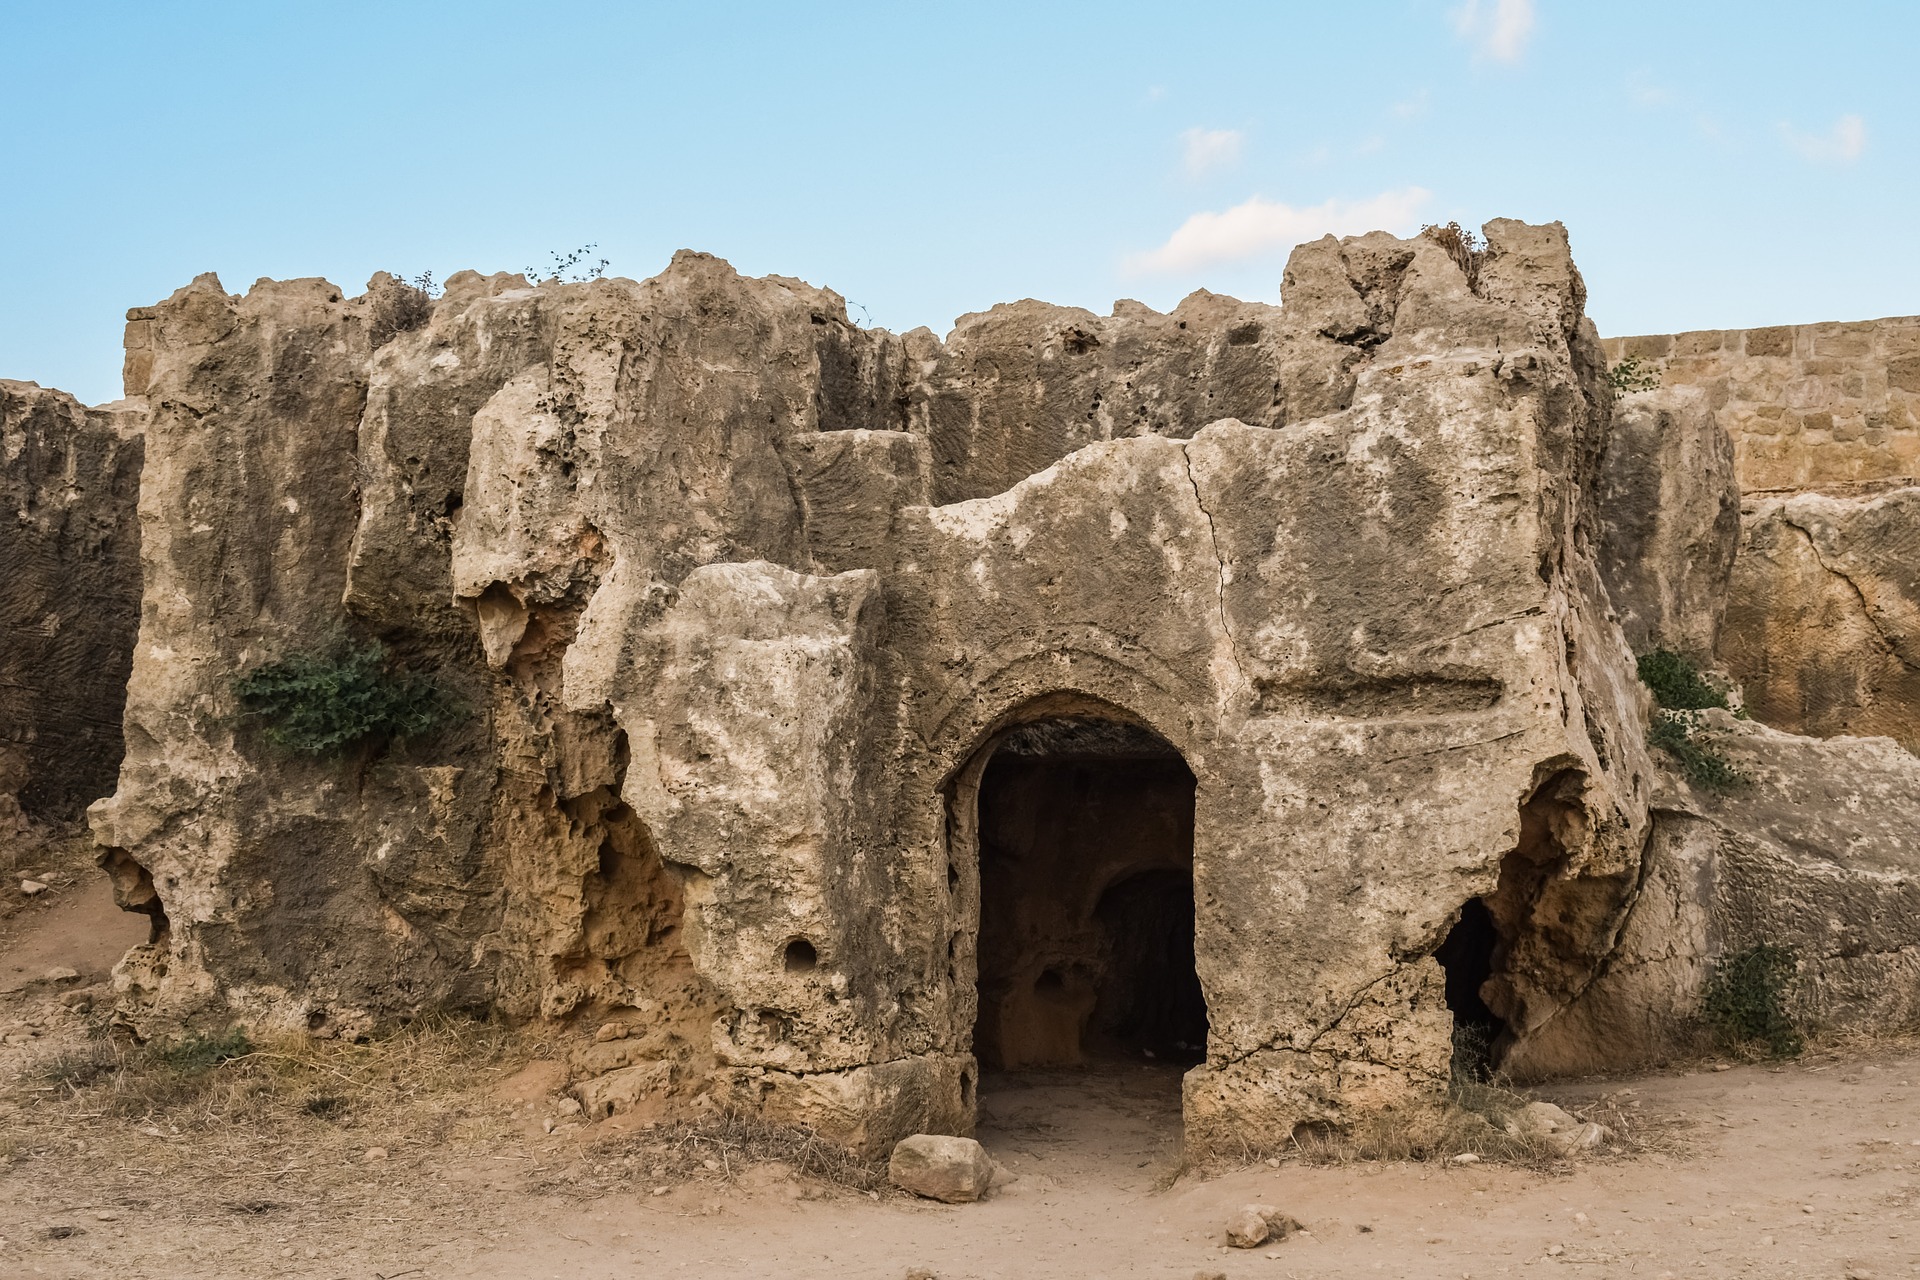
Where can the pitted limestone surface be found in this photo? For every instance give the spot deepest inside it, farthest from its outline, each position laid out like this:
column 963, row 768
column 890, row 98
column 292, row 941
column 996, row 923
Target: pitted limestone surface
column 844, row 708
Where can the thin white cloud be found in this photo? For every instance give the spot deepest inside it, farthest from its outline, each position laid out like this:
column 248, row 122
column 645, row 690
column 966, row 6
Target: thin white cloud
column 1645, row 93
column 1499, row 29
column 1413, row 107
column 1261, row 226
column 1841, row 144
column 1205, row 150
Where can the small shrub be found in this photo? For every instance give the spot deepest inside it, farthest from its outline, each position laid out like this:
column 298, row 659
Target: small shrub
column 319, row 704
column 1681, row 735
column 1676, row 683
column 1633, row 374
column 1746, row 999
column 192, row 1054
column 572, row 268
column 82, row 1067
column 399, row 305
column 1466, row 249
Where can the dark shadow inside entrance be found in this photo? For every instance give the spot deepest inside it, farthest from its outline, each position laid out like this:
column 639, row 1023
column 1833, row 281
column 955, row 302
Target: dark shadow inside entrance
column 1467, row 956
column 1086, row 943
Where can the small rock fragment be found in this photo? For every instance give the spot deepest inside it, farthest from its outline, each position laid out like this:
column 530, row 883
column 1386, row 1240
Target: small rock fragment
column 1588, row 1137
column 60, row 976
column 374, row 1155
column 938, row 1167
column 1465, row 1157
column 1247, row 1229
column 33, row 889
column 1255, row 1224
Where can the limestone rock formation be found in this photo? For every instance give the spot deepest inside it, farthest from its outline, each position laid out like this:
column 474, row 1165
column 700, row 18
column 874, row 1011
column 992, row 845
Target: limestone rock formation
column 1825, row 420
column 741, row 604
column 823, row 715
column 1816, row 853
column 1823, row 617
column 1669, row 510
column 69, row 596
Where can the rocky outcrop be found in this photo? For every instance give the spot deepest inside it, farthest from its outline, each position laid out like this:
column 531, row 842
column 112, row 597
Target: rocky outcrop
column 1825, row 421
column 1815, row 852
column 1669, row 514
column 738, row 603
column 69, row 596
column 1823, row 616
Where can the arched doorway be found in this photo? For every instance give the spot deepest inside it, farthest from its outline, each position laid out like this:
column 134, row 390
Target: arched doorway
column 1085, row 950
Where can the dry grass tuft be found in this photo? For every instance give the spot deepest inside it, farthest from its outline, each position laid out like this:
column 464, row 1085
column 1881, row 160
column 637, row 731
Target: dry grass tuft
column 208, row 1082
column 718, row 1149
column 1482, row 1120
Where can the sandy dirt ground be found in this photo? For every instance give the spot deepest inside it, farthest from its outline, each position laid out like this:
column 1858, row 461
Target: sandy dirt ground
column 1807, row 1169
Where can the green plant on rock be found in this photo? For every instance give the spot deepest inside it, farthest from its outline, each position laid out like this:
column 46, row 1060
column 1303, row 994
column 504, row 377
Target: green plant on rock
column 1633, row 374
column 1683, row 692
column 1745, row 1001
column 321, row 703
column 1676, row 682
column 577, row 267
column 1682, row 735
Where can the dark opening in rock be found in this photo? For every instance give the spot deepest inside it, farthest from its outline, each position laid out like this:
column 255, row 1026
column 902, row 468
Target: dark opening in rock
column 1086, row 945
column 801, row 956
column 1467, row 957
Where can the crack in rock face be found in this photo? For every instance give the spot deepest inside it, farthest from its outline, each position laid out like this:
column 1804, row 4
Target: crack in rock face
column 823, row 716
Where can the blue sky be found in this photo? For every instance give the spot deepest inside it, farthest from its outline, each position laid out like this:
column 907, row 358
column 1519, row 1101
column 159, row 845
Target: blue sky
column 1717, row 164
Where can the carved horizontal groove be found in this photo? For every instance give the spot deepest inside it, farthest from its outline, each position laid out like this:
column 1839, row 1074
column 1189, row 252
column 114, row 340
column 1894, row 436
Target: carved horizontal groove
column 1380, row 698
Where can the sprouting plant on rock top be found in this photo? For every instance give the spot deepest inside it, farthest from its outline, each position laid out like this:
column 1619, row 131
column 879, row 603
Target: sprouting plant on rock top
column 1745, row 1000
column 321, row 703
column 399, row 304
column 1466, row 249
column 1633, row 374
column 572, row 268
column 1682, row 693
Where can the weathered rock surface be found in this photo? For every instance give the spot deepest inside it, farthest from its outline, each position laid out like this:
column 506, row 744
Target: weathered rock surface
column 956, row 1170
column 69, row 595
column 1816, row 852
column 1823, row 615
column 1669, row 511
column 741, row 600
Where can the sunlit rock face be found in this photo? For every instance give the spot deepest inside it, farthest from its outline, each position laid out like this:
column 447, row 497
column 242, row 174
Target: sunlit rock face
column 838, row 708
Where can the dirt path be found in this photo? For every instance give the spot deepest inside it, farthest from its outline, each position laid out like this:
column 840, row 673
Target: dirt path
column 76, row 927
column 1807, row 1170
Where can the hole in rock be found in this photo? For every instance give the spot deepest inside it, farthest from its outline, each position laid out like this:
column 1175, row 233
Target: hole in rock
column 801, row 956
column 1086, row 936
column 1467, row 958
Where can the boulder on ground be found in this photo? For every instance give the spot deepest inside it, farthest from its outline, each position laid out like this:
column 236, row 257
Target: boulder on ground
column 1256, row 1224
column 956, row 1170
